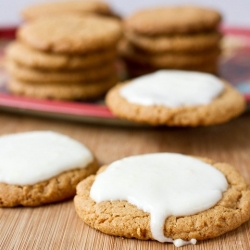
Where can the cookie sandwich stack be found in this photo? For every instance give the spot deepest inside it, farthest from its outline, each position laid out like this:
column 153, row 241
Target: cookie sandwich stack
column 171, row 38
column 64, row 57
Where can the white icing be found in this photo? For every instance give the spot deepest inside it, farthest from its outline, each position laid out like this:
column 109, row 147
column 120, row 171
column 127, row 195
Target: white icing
column 180, row 242
column 173, row 88
column 162, row 184
column 32, row 157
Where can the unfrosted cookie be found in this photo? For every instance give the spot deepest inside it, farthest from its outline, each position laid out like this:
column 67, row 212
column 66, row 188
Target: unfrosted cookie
column 61, row 76
column 166, row 197
column 168, row 59
column 62, row 91
column 176, row 43
column 29, row 57
column 172, row 20
column 70, row 33
column 77, row 7
column 176, row 98
column 41, row 167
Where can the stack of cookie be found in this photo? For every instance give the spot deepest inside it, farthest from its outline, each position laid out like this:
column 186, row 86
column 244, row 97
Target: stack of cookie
column 171, row 38
column 64, row 57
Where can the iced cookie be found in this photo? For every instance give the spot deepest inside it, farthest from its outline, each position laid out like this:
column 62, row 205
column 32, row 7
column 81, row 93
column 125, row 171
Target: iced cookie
column 165, row 197
column 32, row 58
column 41, row 167
column 70, row 33
column 176, row 98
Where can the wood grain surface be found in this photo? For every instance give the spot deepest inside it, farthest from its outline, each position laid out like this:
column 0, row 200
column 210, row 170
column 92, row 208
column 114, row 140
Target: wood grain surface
column 58, row 227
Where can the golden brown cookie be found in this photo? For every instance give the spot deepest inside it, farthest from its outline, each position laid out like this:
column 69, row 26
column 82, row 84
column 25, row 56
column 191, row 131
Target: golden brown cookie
column 70, row 33
column 176, row 43
column 56, row 189
column 63, row 91
column 44, row 76
column 32, row 58
column 168, row 59
column 120, row 218
column 77, row 7
column 229, row 104
column 41, row 167
column 172, row 20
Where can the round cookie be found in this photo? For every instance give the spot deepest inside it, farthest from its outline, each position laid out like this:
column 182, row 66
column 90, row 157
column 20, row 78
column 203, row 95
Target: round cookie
column 42, row 167
column 29, row 57
column 186, row 43
column 169, row 59
column 63, row 91
column 172, row 20
column 44, row 76
column 121, row 218
column 77, row 7
column 70, row 33
column 227, row 105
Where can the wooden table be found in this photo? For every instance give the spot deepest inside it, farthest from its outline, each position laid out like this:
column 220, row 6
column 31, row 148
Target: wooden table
column 58, row 227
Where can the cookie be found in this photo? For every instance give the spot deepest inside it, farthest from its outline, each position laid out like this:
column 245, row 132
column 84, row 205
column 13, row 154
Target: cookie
column 70, row 33
column 44, row 76
column 169, row 59
column 176, row 98
column 63, row 91
column 78, row 7
column 29, row 57
column 176, row 207
column 172, row 20
column 176, row 43
column 41, row 167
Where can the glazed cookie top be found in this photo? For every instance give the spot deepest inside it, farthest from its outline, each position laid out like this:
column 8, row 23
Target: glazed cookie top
column 32, row 157
column 176, row 98
column 173, row 20
column 70, row 33
column 44, row 9
column 162, row 184
column 119, row 217
column 172, row 88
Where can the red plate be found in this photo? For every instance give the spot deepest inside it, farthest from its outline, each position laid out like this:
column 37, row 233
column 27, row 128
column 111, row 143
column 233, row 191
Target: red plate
column 234, row 67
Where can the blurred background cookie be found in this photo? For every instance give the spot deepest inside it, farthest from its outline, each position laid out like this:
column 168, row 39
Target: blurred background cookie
column 179, row 37
column 63, row 7
column 67, row 49
column 33, row 58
